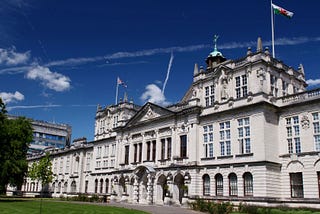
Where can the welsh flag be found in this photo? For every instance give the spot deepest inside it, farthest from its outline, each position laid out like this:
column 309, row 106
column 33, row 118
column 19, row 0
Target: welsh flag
column 282, row 11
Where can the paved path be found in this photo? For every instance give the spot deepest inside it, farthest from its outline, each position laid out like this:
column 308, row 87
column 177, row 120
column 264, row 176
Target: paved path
column 155, row 209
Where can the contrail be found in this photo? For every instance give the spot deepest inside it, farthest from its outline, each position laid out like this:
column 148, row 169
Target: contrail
column 168, row 72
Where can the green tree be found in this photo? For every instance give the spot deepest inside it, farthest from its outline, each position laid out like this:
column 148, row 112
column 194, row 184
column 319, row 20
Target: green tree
column 42, row 171
column 15, row 137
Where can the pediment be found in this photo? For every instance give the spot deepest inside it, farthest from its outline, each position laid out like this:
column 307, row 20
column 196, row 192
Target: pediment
column 149, row 112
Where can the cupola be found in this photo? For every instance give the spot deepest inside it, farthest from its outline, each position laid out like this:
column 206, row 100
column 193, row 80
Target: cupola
column 215, row 57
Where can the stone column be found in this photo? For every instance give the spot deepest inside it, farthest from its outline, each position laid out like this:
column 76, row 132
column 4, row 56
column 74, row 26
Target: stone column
column 135, row 190
column 150, row 189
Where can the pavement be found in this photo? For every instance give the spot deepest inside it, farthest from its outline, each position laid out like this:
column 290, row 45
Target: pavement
column 155, row 209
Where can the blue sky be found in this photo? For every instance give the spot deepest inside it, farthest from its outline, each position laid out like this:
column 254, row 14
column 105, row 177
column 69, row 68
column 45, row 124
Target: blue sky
column 59, row 59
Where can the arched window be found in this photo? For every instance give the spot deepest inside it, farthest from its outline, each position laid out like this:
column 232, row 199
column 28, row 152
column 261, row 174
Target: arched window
column 248, row 184
column 233, row 184
column 65, row 187
column 107, row 185
column 206, row 184
column 53, row 187
column 59, row 187
column 73, row 186
column 101, row 185
column 86, row 186
column 96, row 186
column 219, row 185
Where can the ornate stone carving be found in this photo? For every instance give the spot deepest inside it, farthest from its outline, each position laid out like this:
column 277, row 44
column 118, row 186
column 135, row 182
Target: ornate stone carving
column 305, row 122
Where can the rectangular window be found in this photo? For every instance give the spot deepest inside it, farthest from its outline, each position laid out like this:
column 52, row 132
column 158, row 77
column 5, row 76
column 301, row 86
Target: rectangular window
column 316, row 130
column 140, row 152
column 274, row 85
column 208, row 141
column 241, row 86
column 106, row 151
column 225, row 137
column 183, row 146
column 293, row 134
column 148, row 150
column 113, row 150
column 169, row 148
column 126, row 155
column 88, row 162
column 163, row 149
column 244, row 135
column 135, row 147
column 209, row 95
column 154, row 149
column 296, row 184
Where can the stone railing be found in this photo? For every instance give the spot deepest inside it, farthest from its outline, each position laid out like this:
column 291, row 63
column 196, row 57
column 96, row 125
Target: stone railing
column 301, row 96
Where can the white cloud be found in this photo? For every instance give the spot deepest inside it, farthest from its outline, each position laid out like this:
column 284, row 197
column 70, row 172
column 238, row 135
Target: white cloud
column 49, row 79
column 11, row 97
column 11, row 57
column 32, row 107
column 313, row 82
column 154, row 94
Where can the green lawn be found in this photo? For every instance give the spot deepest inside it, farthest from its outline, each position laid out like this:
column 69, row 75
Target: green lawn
column 50, row 207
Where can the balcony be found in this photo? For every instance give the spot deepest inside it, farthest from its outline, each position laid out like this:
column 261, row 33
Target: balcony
column 300, row 97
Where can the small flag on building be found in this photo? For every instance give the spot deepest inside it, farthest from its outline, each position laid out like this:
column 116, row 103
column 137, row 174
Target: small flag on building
column 120, row 82
column 282, row 11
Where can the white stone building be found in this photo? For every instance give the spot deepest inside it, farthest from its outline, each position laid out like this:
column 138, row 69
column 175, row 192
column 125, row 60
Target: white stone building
column 247, row 130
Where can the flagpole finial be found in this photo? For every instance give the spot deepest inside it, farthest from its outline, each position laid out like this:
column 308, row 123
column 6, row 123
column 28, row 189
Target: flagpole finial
column 215, row 38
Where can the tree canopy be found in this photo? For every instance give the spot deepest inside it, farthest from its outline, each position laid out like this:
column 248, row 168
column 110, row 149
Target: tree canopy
column 42, row 170
column 15, row 137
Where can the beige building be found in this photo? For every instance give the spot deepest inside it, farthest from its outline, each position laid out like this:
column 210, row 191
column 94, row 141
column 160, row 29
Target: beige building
column 247, row 130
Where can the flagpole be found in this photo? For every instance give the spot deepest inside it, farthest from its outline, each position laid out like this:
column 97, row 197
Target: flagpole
column 272, row 30
column 117, row 89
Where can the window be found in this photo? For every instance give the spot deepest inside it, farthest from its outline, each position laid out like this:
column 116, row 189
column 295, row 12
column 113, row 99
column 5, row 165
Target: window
column 101, row 185
column 285, row 86
column 209, row 95
column 208, row 141
column 73, row 186
column 241, row 86
column 68, row 165
column 113, row 150
column 112, row 162
column 233, row 185
column 274, row 85
column 126, row 154
column 293, row 134
column 88, row 162
column 99, row 148
column 316, row 130
column 86, row 186
column 163, row 149
column 248, row 184
column 225, row 136
column 135, row 146
column 183, row 146
column 96, row 186
column 154, row 149
column 140, row 152
column 169, row 148
column 219, row 185
column 106, row 151
column 107, row 185
column 244, row 135
column 148, row 150
column 206, row 184
column 61, row 165
column 296, row 185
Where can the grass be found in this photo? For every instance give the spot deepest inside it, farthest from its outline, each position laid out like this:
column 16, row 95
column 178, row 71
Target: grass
column 22, row 206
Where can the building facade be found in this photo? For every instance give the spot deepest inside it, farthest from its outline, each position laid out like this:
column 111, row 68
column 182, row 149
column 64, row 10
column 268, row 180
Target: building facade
column 48, row 135
column 247, row 130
